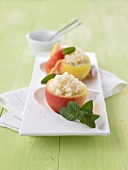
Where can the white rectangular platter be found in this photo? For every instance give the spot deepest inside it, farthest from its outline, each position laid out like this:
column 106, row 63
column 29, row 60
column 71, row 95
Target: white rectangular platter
column 40, row 120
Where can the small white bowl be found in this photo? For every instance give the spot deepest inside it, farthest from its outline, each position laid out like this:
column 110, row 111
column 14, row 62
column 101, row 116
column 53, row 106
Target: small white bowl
column 38, row 41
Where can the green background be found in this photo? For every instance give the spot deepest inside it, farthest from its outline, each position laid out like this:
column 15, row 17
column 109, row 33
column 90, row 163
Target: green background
column 105, row 32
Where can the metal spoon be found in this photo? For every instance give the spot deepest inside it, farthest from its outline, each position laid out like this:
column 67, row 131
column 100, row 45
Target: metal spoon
column 75, row 23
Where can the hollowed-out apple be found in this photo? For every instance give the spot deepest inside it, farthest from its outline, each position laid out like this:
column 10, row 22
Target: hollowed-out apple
column 79, row 72
column 58, row 101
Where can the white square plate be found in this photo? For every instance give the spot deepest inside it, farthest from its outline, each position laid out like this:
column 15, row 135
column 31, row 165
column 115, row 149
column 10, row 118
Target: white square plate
column 40, row 120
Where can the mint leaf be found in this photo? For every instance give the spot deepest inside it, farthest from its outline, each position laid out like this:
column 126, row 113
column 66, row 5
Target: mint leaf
column 84, row 114
column 68, row 50
column 94, row 117
column 67, row 114
column 86, row 119
column 47, row 78
column 73, row 107
column 88, row 107
column 81, row 114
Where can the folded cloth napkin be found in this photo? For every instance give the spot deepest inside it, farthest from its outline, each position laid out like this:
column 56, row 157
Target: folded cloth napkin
column 14, row 101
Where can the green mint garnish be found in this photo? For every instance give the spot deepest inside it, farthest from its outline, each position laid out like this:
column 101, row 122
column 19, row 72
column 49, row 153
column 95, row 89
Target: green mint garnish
column 65, row 112
column 84, row 114
column 68, row 50
column 88, row 106
column 73, row 107
column 94, row 117
column 47, row 78
column 86, row 119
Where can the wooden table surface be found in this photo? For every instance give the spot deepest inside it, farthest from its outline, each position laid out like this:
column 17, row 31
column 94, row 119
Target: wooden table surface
column 105, row 32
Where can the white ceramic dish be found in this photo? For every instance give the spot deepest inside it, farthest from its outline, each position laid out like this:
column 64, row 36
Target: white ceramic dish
column 40, row 120
column 38, row 41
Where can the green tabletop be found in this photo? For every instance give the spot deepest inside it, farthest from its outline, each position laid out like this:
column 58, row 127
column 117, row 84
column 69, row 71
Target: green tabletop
column 105, row 32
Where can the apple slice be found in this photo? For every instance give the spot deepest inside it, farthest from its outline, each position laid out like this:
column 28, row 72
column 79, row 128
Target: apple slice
column 55, row 48
column 56, row 55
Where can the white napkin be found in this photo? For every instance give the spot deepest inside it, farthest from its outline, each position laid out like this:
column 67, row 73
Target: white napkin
column 111, row 84
column 14, row 101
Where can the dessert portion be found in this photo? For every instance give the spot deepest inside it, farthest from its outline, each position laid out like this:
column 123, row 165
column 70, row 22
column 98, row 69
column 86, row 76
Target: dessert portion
column 71, row 59
column 64, row 88
column 66, row 85
column 76, row 63
column 76, row 58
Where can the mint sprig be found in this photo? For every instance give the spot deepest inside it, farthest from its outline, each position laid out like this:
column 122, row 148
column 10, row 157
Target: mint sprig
column 47, row 78
column 86, row 119
column 73, row 107
column 84, row 114
column 88, row 106
column 65, row 112
column 68, row 50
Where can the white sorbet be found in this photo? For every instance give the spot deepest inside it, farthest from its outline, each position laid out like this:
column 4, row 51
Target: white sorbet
column 77, row 58
column 66, row 85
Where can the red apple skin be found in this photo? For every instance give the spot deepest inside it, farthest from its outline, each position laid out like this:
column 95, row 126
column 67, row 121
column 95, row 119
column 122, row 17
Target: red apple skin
column 58, row 101
column 58, row 55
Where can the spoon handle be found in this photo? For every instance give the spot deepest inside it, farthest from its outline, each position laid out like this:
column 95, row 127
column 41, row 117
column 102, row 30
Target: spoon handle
column 66, row 29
